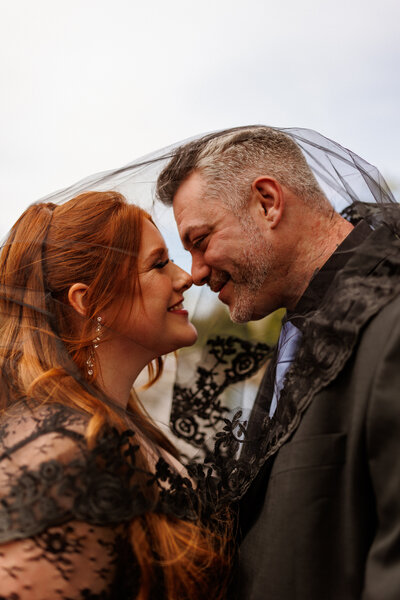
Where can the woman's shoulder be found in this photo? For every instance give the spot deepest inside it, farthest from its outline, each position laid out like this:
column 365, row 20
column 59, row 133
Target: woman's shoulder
column 42, row 415
column 59, row 507
column 50, row 474
column 32, row 430
column 39, row 444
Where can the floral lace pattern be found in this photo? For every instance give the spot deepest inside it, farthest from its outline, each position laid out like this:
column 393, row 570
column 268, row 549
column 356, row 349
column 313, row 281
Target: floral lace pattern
column 198, row 410
column 65, row 509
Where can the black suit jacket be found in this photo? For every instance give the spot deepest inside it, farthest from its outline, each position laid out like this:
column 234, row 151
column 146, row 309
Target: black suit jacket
column 322, row 519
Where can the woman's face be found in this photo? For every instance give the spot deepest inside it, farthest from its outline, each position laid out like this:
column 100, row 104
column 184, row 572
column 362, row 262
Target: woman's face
column 154, row 319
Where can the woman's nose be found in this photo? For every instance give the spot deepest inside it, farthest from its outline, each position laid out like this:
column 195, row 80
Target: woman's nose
column 183, row 280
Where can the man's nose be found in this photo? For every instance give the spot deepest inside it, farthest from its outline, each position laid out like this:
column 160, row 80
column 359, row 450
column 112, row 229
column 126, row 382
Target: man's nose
column 200, row 270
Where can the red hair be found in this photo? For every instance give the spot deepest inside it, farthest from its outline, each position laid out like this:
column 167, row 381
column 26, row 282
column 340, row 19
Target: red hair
column 92, row 239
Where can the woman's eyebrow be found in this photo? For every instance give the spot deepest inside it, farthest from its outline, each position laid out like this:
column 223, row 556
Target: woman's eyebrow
column 155, row 253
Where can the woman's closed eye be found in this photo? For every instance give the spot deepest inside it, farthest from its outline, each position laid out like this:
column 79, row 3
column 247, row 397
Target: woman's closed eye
column 161, row 264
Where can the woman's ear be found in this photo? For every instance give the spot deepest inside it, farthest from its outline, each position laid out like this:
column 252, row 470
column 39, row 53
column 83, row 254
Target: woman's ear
column 77, row 297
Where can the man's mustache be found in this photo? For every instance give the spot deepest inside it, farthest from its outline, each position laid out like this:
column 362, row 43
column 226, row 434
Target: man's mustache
column 217, row 280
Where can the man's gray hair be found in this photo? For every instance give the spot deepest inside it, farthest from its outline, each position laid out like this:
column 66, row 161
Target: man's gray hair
column 230, row 160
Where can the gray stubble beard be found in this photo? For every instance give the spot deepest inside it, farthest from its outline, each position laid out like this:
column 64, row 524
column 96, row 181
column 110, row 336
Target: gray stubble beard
column 253, row 270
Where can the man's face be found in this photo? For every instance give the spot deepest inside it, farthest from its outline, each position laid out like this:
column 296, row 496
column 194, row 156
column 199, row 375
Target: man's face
column 229, row 253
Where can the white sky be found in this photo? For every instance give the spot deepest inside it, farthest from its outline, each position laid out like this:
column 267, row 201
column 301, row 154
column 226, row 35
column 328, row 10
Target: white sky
column 89, row 85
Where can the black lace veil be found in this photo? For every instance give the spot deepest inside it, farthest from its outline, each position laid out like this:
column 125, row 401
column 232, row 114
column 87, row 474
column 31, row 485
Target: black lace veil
column 206, row 397
column 63, row 494
column 238, row 353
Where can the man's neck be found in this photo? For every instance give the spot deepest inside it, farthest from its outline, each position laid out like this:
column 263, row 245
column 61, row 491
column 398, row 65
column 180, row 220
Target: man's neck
column 319, row 243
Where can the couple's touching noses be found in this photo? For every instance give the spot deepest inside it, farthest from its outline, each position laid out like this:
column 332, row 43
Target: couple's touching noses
column 321, row 518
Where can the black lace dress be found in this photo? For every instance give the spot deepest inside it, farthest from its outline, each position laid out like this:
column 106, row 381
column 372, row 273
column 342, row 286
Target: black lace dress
column 65, row 510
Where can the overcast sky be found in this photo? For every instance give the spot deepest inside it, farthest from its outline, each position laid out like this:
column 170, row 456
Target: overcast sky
column 89, row 85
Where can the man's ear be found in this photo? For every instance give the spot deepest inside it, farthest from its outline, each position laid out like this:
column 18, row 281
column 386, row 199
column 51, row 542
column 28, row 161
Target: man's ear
column 77, row 297
column 269, row 196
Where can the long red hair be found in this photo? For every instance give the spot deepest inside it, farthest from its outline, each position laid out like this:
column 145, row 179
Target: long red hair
column 92, row 239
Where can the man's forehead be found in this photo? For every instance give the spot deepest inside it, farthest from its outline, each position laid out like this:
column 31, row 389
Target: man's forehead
column 192, row 189
column 194, row 209
column 191, row 211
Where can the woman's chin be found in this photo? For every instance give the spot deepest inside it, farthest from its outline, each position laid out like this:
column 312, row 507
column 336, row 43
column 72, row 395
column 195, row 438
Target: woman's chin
column 193, row 337
column 187, row 339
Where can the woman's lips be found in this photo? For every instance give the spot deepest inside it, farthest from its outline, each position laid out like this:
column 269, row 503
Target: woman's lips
column 177, row 309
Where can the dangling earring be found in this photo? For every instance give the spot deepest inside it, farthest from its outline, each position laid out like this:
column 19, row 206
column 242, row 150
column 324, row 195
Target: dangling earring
column 95, row 344
column 98, row 333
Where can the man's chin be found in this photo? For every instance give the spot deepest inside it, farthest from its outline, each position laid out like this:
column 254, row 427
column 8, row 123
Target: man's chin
column 239, row 319
column 240, row 302
column 241, row 314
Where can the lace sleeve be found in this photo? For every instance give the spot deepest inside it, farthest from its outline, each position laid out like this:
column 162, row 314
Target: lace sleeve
column 76, row 560
column 65, row 510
